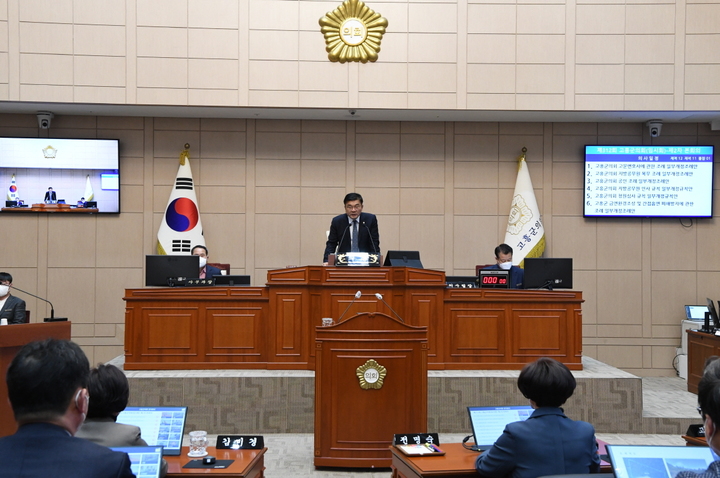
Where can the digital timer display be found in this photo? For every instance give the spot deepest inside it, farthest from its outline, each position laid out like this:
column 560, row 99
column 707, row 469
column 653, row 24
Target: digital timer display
column 494, row 279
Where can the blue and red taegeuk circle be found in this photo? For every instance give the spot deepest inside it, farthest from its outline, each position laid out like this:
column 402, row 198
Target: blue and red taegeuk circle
column 13, row 188
column 182, row 215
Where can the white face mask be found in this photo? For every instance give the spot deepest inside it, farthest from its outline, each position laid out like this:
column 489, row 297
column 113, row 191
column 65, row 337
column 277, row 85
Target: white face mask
column 4, row 289
column 203, row 262
column 505, row 266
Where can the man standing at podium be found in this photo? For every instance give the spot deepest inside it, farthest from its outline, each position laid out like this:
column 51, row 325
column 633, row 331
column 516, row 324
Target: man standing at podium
column 50, row 196
column 503, row 256
column 11, row 308
column 354, row 231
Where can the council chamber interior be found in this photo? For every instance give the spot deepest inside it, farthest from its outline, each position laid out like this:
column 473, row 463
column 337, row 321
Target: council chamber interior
column 429, row 134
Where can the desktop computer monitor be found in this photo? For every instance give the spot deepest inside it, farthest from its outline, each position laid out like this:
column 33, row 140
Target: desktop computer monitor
column 548, row 273
column 165, row 270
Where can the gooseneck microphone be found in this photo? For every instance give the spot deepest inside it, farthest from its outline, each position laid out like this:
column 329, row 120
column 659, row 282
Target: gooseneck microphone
column 337, row 248
column 371, row 239
column 52, row 317
column 379, row 296
column 358, row 294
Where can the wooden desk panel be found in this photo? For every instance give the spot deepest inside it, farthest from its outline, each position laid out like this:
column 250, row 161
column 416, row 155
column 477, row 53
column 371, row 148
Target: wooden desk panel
column 505, row 329
column 246, row 464
column 457, row 462
column 273, row 327
column 700, row 347
column 196, row 328
column 12, row 339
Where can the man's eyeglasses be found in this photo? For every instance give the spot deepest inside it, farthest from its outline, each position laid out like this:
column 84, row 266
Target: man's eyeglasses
column 352, row 208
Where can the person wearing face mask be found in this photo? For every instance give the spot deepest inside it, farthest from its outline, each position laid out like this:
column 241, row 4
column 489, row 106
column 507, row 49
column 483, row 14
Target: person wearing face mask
column 709, row 408
column 47, row 387
column 110, row 391
column 503, row 256
column 11, row 308
column 206, row 271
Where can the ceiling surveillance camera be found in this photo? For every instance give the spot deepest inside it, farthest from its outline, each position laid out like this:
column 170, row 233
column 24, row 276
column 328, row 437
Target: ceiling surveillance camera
column 352, row 112
column 654, row 126
column 44, row 118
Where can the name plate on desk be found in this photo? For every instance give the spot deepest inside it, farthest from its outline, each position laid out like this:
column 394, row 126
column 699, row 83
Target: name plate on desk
column 357, row 259
column 416, row 438
column 240, row 442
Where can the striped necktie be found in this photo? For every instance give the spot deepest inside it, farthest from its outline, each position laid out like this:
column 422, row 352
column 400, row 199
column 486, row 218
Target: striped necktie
column 354, row 243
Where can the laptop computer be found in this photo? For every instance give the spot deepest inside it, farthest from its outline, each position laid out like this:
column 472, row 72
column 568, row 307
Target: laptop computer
column 641, row 461
column 695, row 312
column 145, row 461
column 488, row 423
column 159, row 426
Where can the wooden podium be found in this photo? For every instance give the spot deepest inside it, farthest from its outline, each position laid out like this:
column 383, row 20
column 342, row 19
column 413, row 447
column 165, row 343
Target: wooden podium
column 12, row 338
column 370, row 383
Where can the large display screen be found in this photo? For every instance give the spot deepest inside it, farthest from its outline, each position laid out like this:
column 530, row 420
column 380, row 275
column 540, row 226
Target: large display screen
column 77, row 170
column 648, row 181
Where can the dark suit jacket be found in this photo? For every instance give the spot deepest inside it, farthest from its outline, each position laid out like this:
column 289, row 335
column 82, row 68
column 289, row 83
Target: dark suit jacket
column 517, row 275
column 547, row 443
column 13, row 310
column 211, row 271
column 50, row 196
column 368, row 236
column 40, row 450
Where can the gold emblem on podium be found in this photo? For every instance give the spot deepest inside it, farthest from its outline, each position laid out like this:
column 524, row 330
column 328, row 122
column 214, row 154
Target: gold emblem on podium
column 371, row 375
column 353, row 32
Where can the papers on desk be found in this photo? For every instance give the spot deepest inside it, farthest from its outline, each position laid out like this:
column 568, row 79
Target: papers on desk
column 418, row 450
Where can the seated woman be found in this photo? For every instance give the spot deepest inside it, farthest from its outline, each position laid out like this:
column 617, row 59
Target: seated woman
column 547, row 443
column 109, row 393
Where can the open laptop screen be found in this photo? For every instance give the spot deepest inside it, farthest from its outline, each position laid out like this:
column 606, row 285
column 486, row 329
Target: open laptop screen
column 145, row 461
column 641, row 461
column 695, row 312
column 488, row 423
column 159, row 426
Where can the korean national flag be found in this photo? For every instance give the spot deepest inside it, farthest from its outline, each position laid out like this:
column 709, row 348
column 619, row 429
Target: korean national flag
column 181, row 228
column 12, row 193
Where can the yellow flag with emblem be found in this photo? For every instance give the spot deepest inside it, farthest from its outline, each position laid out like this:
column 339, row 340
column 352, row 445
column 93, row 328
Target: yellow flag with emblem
column 525, row 232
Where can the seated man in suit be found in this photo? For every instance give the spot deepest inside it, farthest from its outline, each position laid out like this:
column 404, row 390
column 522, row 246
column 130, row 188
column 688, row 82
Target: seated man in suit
column 503, row 256
column 11, row 308
column 110, row 391
column 206, row 271
column 47, row 388
column 354, row 231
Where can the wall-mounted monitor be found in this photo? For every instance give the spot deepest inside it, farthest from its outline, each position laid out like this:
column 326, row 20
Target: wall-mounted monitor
column 73, row 168
column 648, row 181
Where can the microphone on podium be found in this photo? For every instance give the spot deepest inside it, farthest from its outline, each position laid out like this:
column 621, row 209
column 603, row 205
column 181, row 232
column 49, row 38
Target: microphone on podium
column 379, row 296
column 371, row 240
column 358, row 294
column 52, row 317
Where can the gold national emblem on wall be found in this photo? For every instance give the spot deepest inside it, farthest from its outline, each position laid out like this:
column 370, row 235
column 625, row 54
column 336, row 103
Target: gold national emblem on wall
column 353, row 32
